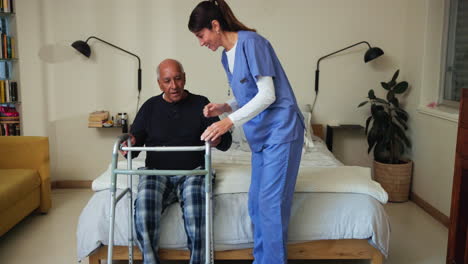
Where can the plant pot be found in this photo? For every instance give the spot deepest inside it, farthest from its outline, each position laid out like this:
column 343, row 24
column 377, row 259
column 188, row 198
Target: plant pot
column 395, row 179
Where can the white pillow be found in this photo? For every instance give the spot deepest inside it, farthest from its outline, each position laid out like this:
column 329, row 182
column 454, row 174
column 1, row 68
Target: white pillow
column 239, row 141
column 308, row 133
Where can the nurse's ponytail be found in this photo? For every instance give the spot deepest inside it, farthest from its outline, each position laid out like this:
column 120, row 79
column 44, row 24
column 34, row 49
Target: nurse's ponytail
column 207, row 11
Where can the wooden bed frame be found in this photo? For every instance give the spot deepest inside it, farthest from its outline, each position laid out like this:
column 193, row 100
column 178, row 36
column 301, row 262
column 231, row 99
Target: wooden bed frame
column 314, row 250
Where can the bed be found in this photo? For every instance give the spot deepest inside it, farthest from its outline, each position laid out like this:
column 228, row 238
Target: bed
column 337, row 212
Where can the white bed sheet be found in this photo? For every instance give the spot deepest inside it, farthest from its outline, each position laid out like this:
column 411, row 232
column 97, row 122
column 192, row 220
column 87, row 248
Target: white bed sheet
column 315, row 216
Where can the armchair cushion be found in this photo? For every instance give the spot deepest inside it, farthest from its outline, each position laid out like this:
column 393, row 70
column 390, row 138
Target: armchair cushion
column 25, row 152
column 16, row 184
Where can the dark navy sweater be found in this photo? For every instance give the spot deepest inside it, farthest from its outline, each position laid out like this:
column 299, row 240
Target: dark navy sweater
column 160, row 123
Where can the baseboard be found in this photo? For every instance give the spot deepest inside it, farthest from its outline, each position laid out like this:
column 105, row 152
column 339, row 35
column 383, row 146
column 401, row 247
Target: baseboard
column 71, row 184
column 431, row 210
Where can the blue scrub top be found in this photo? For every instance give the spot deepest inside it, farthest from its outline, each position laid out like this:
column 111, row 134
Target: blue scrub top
column 282, row 121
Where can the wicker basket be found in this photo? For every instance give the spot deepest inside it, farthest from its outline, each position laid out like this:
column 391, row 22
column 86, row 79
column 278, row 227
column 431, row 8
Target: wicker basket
column 395, row 179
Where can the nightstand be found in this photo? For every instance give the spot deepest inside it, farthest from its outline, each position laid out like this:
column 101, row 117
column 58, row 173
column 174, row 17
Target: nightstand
column 330, row 128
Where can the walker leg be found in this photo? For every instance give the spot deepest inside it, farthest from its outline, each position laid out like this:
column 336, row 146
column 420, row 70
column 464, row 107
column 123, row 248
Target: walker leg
column 111, row 228
column 130, row 226
column 130, row 208
column 209, row 254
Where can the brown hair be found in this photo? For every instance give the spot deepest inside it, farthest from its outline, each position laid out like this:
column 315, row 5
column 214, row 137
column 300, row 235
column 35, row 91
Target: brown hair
column 207, row 11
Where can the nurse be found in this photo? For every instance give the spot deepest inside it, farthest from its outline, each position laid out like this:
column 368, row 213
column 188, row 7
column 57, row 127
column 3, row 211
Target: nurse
column 266, row 107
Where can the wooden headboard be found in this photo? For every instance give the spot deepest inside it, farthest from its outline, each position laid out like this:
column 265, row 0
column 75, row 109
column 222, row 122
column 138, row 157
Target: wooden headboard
column 318, row 131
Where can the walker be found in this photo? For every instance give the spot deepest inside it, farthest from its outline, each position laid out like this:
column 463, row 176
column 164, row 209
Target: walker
column 209, row 256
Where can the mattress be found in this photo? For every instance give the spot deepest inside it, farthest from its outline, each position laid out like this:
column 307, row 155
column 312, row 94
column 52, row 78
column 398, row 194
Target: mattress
column 315, row 215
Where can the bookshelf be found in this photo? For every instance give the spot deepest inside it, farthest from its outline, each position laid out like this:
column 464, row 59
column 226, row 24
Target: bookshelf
column 10, row 117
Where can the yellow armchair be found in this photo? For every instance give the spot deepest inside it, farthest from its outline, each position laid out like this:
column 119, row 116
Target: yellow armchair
column 24, row 178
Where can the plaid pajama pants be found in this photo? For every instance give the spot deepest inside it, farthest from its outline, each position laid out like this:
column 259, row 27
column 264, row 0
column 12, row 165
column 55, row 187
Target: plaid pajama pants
column 155, row 194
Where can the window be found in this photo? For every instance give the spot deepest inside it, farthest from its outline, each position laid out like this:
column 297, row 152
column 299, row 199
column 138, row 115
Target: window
column 455, row 72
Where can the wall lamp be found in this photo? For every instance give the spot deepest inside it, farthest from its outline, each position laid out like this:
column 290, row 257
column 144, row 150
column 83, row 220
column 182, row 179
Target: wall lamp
column 371, row 53
column 83, row 48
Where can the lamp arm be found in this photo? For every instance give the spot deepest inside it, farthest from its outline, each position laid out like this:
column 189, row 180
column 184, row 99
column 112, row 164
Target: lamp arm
column 317, row 71
column 333, row 53
column 110, row 44
column 126, row 51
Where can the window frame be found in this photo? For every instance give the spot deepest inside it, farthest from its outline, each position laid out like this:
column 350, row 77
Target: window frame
column 448, row 44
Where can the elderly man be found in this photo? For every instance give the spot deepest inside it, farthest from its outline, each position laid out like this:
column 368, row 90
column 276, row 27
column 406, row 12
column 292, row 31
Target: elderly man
column 173, row 118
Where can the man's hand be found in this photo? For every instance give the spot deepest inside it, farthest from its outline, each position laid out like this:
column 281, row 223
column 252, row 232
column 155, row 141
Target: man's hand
column 212, row 110
column 124, row 144
column 216, row 130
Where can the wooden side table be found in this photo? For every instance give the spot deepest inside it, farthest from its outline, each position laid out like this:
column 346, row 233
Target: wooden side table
column 330, row 128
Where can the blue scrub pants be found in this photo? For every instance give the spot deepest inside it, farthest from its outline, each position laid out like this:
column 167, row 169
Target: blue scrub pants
column 274, row 173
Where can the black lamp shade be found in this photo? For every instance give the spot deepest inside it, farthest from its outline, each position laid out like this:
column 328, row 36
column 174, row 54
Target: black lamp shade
column 82, row 47
column 373, row 53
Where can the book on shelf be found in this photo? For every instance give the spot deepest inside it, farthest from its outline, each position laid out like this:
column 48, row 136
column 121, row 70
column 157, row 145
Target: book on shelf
column 3, row 25
column 13, row 52
column 8, row 47
column 8, row 113
column 95, row 124
column 8, row 91
column 5, row 46
column 6, row 87
column 13, row 91
column 5, row 70
column 2, row 93
column 98, row 116
column 6, row 6
column 10, row 129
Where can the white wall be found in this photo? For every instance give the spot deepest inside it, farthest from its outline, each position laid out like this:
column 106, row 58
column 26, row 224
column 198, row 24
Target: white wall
column 60, row 88
column 434, row 138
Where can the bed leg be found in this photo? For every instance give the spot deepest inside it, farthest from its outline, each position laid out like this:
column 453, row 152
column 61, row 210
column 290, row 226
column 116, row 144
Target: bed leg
column 377, row 258
column 94, row 259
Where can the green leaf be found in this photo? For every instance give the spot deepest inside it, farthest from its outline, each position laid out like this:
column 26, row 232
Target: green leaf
column 380, row 152
column 385, row 85
column 382, row 101
column 401, row 115
column 363, row 103
column 390, row 96
column 400, row 87
column 395, row 75
column 371, row 94
column 401, row 134
column 381, row 117
column 371, row 139
column 400, row 147
column 369, row 119
column 376, row 108
column 401, row 122
column 391, row 84
column 399, row 110
column 395, row 102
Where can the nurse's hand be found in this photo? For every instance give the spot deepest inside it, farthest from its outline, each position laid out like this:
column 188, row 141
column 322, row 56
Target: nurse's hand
column 216, row 130
column 212, row 109
column 215, row 143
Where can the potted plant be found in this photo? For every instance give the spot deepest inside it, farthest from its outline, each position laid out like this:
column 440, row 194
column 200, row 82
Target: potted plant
column 386, row 135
